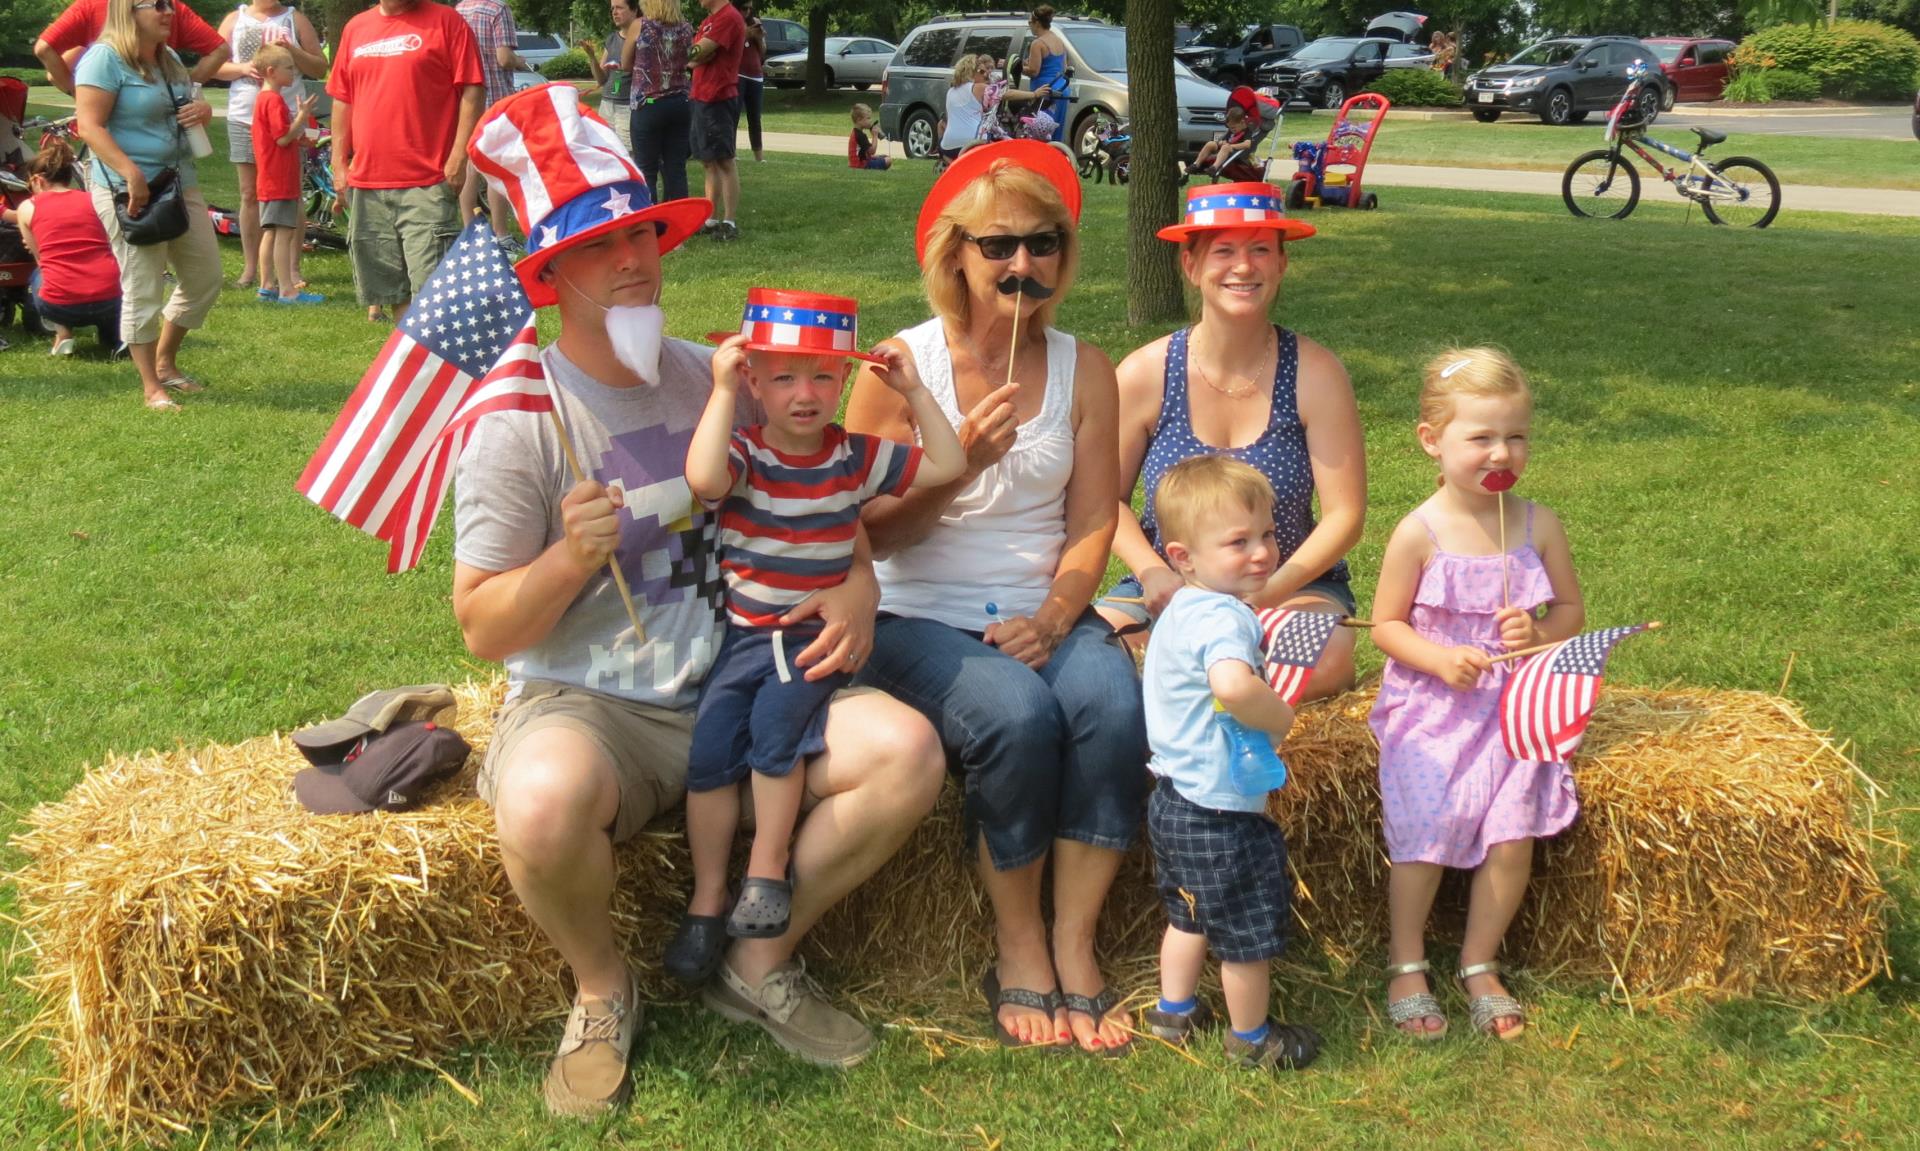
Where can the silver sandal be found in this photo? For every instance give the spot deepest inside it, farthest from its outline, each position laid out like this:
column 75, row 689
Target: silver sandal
column 1485, row 1010
column 1420, row 1005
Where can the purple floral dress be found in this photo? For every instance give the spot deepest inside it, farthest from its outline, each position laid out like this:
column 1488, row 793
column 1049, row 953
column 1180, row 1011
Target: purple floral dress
column 1448, row 788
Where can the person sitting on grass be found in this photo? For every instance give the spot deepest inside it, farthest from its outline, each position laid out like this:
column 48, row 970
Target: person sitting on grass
column 279, row 141
column 788, row 493
column 1220, row 858
column 1215, row 152
column 863, row 142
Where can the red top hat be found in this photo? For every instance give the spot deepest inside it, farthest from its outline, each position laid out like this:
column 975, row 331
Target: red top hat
column 568, row 178
column 806, row 323
column 1220, row 207
column 973, row 163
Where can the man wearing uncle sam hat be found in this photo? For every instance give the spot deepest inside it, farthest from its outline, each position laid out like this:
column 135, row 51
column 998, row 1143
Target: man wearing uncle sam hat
column 593, row 741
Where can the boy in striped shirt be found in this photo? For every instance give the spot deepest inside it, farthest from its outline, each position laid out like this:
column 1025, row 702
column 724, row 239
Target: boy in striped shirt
column 789, row 493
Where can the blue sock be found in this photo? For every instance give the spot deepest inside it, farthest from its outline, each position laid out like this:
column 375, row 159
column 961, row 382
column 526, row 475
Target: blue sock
column 1254, row 1036
column 1181, row 1007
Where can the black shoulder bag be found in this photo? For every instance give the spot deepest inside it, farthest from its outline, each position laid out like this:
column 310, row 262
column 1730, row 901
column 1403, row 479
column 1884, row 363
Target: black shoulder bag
column 165, row 216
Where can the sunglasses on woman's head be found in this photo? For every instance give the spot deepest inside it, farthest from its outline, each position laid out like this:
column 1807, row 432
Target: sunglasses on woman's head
column 156, row 5
column 1003, row 247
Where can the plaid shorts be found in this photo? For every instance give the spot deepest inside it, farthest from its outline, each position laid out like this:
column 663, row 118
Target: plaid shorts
column 1223, row 874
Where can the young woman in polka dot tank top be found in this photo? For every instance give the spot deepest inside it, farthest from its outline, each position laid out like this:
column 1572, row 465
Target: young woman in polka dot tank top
column 1449, row 600
column 1237, row 384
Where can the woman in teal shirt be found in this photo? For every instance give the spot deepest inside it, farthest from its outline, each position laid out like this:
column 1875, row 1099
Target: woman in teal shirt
column 134, row 103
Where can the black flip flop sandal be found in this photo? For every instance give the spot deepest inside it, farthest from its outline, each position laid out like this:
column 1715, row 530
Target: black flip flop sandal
column 998, row 997
column 763, row 910
column 1096, row 1008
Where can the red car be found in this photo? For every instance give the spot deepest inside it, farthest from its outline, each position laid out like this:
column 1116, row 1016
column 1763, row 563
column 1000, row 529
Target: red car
column 1696, row 68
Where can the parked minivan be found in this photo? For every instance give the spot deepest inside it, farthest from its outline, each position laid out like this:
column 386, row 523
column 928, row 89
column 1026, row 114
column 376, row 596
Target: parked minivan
column 913, row 91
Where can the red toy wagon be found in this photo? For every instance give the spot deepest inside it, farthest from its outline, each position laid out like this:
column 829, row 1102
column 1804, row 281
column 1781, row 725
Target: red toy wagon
column 1346, row 147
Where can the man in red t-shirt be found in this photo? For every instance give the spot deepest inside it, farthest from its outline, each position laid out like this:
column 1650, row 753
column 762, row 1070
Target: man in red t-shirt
column 407, row 90
column 71, row 31
column 716, row 109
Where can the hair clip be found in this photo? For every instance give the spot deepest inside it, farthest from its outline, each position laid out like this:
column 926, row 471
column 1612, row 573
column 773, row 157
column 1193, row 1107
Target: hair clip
column 1453, row 367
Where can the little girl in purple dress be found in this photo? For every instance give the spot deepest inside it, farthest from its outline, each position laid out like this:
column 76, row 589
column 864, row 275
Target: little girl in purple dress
column 1452, row 595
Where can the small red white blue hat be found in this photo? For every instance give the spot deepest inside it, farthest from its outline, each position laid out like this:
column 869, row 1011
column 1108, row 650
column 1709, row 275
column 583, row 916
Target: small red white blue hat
column 805, row 323
column 1219, row 207
column 568, row 178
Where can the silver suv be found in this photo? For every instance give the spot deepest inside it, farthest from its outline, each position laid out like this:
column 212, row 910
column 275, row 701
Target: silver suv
column 913, row 89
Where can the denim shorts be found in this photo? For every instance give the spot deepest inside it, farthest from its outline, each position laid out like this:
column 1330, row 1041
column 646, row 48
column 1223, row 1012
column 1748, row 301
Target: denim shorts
column 757, row 711
column 1054, row 753
column 1338, row 591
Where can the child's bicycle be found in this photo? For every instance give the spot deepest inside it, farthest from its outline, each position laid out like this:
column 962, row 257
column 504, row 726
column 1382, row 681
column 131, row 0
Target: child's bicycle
column 1603, row 184
column 1112, row 155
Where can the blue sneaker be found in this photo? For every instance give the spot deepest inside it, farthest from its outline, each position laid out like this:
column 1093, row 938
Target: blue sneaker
column 268, row 294
column 302, row 298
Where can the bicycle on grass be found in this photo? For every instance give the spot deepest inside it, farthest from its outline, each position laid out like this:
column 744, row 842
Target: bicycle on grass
column 1603, row 184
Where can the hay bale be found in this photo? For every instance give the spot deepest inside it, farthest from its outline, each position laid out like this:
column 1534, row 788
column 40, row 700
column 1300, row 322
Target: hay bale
column 200, row 943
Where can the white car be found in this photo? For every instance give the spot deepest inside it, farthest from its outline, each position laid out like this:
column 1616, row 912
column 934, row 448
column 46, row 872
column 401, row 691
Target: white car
column 539, row 48
column 854, row 60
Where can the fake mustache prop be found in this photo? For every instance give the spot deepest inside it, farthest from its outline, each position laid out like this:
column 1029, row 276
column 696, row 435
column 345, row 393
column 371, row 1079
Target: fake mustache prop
column 1024, row 285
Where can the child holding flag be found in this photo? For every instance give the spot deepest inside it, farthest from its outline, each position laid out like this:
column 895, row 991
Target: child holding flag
column 279, row 141
column 789, row 493
column 1450, row 598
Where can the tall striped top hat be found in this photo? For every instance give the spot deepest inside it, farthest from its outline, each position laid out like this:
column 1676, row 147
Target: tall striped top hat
column 568, row 178
column 806, row 323
column 1219, row 207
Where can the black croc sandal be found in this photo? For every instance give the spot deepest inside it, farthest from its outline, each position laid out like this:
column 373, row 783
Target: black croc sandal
column 694, row 953
column 1288, row 1046
column 1096, row 1008
column 998, row 997
column 763, row 909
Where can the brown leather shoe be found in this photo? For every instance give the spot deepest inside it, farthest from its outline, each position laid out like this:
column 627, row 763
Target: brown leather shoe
column 790, row 1007
column 589, row 1076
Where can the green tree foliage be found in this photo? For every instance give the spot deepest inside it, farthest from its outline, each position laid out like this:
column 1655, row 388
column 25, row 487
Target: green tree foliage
column 1899, row 13
column 1416, row 88
column 1852, row 59
column 1647, row 17
column 20, row 25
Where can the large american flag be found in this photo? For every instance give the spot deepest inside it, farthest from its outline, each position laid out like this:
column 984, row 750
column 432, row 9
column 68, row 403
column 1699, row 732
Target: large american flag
column 466, row 347
column 1294, row 640
column 1548, row 699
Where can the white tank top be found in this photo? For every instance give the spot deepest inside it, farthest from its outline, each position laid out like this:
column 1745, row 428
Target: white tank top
column 963, row 116
column 1000, row 539
column 249, row 33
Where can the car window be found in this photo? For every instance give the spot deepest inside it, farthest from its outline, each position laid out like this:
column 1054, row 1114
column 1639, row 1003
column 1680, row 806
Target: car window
column 1103, row 49
column 1261, row 39
column 1404, row 51
column 933, row 48
column 534, row 42
column 1218, row 36
column 1370, row 52
column 1714, row 53
column 873, row 48
column 1667, row 53
column 1547, row 54
column 1332, row 48
column 836, row 44
column 1624, row 54
column 783, row 30
column 994, row 44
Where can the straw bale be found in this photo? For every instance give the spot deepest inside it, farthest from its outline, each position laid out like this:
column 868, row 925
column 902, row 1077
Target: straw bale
column 200, row 943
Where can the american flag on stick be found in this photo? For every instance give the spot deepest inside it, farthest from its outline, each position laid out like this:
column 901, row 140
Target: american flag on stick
column 1294, row 641
column 1548, row 699
column 466, row 347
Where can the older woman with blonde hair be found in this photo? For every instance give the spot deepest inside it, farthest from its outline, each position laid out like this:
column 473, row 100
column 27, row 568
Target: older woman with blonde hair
column 134, row 103
column 984, row 582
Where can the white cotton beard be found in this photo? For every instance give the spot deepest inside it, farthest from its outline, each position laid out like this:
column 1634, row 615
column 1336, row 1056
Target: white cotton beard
column 634, row 333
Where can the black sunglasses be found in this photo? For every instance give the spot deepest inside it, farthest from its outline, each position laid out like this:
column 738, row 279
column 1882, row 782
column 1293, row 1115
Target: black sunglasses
column 156, row 5
column 1003, row 247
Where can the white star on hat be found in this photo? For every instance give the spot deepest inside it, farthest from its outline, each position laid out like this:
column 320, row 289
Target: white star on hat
column 617, row 204
column 548, row 234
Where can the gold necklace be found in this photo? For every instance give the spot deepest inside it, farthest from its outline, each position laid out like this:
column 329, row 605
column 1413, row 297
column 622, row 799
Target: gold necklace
column 1253, row 385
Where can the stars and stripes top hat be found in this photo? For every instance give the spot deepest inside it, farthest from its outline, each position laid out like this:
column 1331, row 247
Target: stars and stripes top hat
column 568, row 178
column 807, row 323
column 1046, row 159
column 1218, row 207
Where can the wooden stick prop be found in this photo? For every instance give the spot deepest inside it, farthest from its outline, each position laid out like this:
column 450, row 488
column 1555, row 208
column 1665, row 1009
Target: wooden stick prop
column 1498, row 483
column 1020, row 287
column 1536, row 649
column 613, row 562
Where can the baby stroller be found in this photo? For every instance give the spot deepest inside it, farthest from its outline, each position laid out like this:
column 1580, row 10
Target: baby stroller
column 16, row 263
column 1112, row 155
column 999, row 120
column 1250, row 159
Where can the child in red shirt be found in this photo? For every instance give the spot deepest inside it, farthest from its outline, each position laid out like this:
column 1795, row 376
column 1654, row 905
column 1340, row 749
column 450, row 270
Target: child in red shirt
column 278, row 140
column 861, row 142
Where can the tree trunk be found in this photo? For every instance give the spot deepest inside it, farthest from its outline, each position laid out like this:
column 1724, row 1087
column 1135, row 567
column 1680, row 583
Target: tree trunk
column 817, row 50
column 1153, row 195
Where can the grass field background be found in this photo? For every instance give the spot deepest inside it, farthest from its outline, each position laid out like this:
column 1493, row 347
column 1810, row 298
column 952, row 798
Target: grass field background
column 1732, row 453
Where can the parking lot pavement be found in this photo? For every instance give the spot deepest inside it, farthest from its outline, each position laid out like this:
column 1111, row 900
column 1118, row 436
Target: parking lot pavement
column 1890, row 122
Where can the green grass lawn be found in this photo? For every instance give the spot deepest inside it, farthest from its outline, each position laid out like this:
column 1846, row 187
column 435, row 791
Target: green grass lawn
column 792, row 110
column 1733, row 456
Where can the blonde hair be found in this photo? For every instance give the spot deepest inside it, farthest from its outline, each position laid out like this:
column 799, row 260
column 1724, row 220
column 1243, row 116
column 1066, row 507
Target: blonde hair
column 940, row 272
column 1198, row 487
column 963, row 70
column 662, row 11
column 857, row 111
column 122, row 35
column 272, row 56
column 1468, row 372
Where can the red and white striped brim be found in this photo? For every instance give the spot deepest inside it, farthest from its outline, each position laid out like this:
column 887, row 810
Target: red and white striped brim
column 809, row 323
column 1221, row 207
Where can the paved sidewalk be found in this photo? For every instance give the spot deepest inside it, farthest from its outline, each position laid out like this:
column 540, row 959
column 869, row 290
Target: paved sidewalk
column 1383, row 178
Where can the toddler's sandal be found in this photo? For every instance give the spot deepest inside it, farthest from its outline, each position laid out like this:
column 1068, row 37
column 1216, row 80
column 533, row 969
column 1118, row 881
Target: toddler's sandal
column 763, row 911
column 694, row 953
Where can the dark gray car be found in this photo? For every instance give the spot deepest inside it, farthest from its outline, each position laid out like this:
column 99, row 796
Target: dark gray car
column 1564, row 79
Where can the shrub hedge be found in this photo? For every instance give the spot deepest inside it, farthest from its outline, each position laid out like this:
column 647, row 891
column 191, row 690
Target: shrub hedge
column 1854, row 58
column 1416, row 88
column 569, row 65
column 34, row 77
column 1786, row 84
column 1748, row 86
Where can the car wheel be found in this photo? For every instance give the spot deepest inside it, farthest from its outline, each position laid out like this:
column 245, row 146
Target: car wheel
column 1557, row 108
column 1666, row 105
column 1650, row 104
column 1486, row 115
column 1229, row 78
column 1086, row 133
column 861, row 86
column 916, row 134
column 1336, row 96
column 1576, row 117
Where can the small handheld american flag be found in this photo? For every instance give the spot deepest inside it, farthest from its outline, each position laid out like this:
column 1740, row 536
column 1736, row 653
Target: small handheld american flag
column 466, row 347
column 1548, row 699
column 1294, row 642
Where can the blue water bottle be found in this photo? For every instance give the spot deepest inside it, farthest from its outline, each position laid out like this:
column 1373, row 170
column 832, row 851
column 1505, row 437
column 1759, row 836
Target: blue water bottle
column 1253, row 766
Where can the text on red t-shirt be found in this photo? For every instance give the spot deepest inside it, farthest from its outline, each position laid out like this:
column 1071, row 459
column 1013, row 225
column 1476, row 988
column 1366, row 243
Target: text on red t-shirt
column 403, row 76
